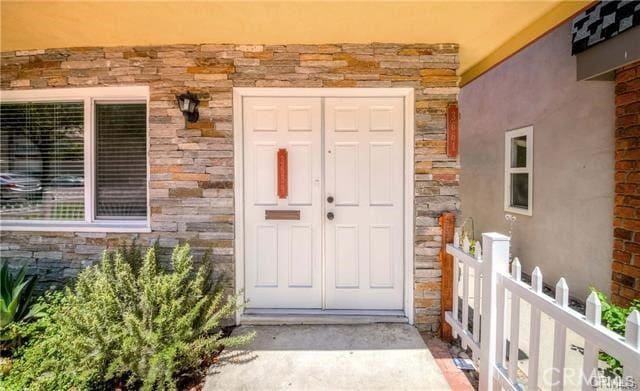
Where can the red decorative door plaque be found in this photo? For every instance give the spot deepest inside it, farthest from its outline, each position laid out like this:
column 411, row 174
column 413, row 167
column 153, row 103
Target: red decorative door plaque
column 452, row 130
column 283, row 173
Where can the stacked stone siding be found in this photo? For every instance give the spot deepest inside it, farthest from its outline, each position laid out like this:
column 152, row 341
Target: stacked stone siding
column 625, row 285
column 191, row 180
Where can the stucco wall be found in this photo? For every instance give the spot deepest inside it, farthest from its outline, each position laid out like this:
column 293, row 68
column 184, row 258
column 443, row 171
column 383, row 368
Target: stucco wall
column 191, row 183
column 570, row 232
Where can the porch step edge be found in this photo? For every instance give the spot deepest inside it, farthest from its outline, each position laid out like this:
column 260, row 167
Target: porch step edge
column 282, row 319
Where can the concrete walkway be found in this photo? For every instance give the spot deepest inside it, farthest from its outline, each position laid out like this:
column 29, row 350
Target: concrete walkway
column 329, row 357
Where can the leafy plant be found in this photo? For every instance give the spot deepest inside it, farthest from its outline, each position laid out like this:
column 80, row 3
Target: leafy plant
column 615, row 319
column 15, row 300
column 127, row 322
column 47, row 305
column 472, row 247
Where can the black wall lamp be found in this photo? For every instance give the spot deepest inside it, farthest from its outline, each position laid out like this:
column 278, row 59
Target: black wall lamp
column 188, row 104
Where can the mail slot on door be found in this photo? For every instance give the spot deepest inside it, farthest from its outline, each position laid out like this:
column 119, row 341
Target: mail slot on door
column 282, row 215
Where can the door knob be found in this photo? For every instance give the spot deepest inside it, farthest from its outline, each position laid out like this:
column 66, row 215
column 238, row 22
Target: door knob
column 330, row 199
column 330, row 215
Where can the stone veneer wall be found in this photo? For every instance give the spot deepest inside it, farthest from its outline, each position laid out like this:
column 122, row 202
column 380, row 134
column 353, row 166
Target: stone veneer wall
column 625, row 284
column 191, row 181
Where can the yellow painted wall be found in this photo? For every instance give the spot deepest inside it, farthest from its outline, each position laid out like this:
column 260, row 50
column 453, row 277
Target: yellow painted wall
column 479, row 27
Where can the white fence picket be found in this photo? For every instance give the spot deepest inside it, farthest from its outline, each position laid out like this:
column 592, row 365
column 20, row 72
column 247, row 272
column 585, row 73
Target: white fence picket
column 559, row 338
column 456, row 273
column 590, row 363
column 491, row 282
column 534, row 332
column 476, row 301
column 465, row 300
column 632, row 329
column 456, row 277
column 499, row 326
column 632, row 337
column 495, row 265
column 459, row 330
column 514, row 334
column 605, row 339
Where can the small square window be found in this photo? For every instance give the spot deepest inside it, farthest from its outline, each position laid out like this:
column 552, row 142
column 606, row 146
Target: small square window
column 519, row 171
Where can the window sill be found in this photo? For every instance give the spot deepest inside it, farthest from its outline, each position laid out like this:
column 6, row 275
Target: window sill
column 520, row 211
column 103, row 226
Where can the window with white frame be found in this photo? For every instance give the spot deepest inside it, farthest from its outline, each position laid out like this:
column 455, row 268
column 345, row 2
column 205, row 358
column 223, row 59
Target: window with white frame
column 518, row 173
column 74, row 157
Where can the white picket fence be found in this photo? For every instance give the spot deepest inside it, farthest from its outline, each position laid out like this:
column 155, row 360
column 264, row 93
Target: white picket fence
column 487, row 337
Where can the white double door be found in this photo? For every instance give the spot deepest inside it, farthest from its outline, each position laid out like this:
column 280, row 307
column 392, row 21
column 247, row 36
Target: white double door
column 345, row 177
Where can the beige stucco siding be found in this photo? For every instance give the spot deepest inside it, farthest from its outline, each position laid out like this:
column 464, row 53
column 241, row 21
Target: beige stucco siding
column 570, row 232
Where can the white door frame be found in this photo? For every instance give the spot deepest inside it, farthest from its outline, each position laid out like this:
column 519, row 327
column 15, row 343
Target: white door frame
column 406, row 93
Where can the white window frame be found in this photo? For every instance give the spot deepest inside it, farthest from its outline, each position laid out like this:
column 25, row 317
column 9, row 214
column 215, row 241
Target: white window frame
column 526, row 131
column 89, row 96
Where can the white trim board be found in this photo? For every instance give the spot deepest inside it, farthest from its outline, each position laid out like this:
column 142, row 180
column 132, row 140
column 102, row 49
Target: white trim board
column 43, row 94
column 323, row 319
column 408, row 96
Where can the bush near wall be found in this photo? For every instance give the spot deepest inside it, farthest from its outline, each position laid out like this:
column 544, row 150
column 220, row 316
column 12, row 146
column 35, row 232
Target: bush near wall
column 126, row 322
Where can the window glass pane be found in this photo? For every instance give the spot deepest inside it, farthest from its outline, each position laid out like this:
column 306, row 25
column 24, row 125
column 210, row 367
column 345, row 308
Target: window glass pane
column 42, row 161
column 520, row 190
column 121, row 161
column 519, row 152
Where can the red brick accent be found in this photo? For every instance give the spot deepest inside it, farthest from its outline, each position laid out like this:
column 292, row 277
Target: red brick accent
column 457, row 380
column 625, row 277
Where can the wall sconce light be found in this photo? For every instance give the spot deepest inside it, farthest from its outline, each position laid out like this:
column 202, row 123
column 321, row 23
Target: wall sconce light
column 188, row 104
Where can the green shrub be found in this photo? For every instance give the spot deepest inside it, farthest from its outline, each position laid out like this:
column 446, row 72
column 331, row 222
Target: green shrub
column 126, row 322
column 15, row 298
column 16, row 307
column 43, row 337
column 615, row 319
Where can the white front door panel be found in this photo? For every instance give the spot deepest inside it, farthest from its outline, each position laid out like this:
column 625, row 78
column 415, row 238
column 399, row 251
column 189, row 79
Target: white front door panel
column 283, row 257
column 350, row 149
column 364, row 175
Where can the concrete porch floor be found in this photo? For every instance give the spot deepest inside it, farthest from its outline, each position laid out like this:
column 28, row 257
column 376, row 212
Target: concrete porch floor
column 329, row 357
